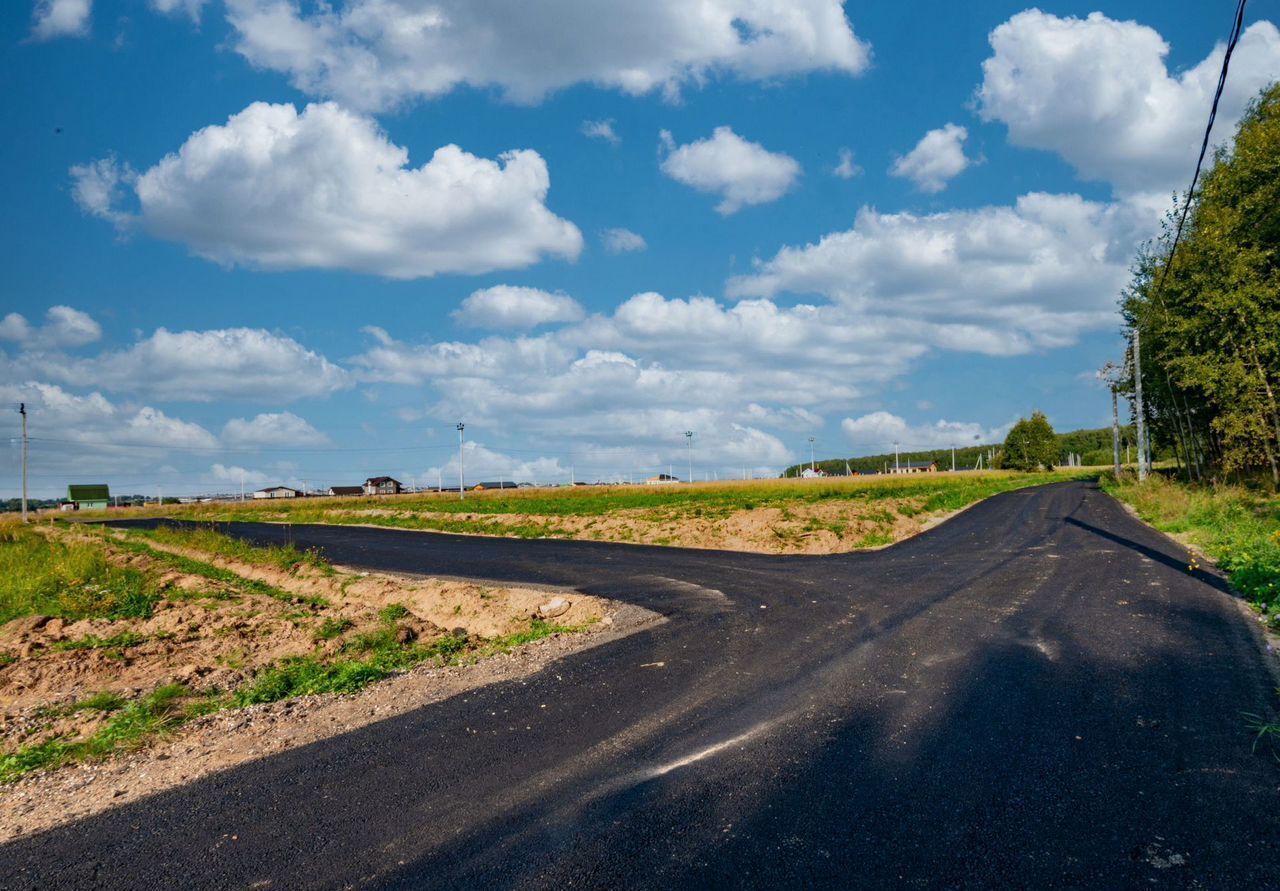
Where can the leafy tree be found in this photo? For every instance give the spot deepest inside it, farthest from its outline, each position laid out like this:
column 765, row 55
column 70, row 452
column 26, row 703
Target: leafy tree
column 1030, row 445
column 1209, row 321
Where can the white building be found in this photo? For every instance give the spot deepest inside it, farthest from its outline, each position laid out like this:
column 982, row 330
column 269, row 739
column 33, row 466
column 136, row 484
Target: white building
column 277, row 492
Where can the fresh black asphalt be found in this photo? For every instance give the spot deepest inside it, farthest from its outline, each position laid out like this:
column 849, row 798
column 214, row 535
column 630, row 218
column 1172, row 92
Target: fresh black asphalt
column 1034, row 694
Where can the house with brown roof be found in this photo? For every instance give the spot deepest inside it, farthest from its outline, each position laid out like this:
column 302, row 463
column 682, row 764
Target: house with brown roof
column 382, row 485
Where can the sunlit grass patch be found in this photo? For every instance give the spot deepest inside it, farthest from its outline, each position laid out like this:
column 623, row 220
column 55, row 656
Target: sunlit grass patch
column 68, row 579
column 1238, row 526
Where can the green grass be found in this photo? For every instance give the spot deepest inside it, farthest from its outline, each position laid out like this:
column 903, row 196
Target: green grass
column 1237, row 526
column 100, row 702
column 393, row 612
column 331, row 628
column 72, row 580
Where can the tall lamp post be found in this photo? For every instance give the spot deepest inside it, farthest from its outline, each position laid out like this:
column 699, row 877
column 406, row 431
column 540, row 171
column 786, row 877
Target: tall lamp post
column 688, row 435
column 462, row 480
column 813, row 465
column 895, row 457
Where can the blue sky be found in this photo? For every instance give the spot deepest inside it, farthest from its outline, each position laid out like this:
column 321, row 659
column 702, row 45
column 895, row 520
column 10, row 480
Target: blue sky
column 234, row 251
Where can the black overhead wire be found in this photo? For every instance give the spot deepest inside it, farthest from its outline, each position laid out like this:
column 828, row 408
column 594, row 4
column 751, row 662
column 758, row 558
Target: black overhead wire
column 1237, row 26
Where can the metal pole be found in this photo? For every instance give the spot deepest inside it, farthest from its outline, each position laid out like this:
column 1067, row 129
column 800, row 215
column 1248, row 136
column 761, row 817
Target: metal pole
column 1141, row 412
column 22, row 410
column 462, row 480
column 812, row 464
column 953, row 459
column 896, row 466
column 688, row 435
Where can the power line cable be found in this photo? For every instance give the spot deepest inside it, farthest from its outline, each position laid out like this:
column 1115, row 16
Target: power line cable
column 1234, row 38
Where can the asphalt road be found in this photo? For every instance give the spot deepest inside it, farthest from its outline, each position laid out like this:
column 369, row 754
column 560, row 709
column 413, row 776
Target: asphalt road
column 1034, row 694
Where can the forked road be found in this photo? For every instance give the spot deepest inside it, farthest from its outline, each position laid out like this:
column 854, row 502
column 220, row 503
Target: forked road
column 1034, row 694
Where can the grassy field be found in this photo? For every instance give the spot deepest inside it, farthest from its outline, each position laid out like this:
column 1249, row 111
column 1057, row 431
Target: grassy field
column 773, row 516
column 1236, row 526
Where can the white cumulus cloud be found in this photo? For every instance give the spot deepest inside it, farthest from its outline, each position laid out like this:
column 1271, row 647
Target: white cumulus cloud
column 272, row 429
column 60, row 414
column 1098, row 92
column 63, row 327
column 998, row 280
column 237, row 475
column 509, row 306
column 60, row 18
column 846, row 169
column 326, row 189
column 741, row 172
column 622, row 241
column 374, row 54
column 937, row 158
column 878, row 431
column 601, row 130
column 247, row 364
column 191, row 8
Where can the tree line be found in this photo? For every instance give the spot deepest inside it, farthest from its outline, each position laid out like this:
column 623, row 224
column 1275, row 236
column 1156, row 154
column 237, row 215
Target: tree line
column 1208, row 321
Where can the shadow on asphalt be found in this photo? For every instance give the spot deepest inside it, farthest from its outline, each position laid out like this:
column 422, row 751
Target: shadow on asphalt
column 1031, row 771
column 1211, row 579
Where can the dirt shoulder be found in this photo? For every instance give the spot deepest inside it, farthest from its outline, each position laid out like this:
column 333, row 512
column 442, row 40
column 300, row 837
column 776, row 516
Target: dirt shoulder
column 224, row 740
column 829, row 527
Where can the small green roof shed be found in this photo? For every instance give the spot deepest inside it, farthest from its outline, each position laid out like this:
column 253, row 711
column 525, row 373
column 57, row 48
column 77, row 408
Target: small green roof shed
column 90, row 496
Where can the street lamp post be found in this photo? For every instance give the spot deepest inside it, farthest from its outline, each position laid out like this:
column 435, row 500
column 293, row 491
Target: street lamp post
column 688, row 435
column 813, row 465
column 462, row 480
column 896, row 465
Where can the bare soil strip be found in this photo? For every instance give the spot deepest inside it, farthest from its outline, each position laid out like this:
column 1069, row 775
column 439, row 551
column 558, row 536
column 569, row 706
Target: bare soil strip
column 224, row 740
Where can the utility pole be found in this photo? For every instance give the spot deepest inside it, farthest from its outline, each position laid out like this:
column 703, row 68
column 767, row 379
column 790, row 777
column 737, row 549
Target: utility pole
column 462, row 480
column 812, row 464
column 896, row 465
column 688, row 435
column 953, row 459
column 1140, row 411
column 22, row 410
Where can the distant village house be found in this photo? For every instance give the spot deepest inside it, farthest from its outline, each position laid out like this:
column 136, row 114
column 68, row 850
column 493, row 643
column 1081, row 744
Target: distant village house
column 382, row 485
column 95, row 496
column 277, row 492
column 346, row 490
column 915, row 467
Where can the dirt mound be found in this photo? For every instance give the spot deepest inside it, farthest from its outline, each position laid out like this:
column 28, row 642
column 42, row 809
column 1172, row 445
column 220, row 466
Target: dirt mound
column 214, row 634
